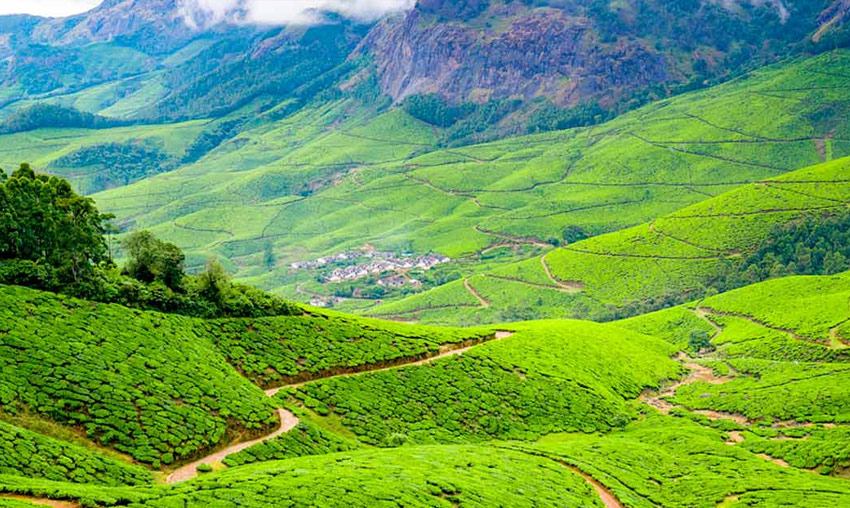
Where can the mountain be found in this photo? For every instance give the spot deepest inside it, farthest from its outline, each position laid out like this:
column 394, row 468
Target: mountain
column 516, row 57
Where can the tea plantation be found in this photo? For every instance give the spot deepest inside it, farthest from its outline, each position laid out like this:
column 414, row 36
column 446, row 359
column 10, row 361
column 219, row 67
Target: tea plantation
column 548, row 377
column 146, row 384
column 282, row 350
column 29, row 454
column 163, row 388
column 411, row 476
column 382, row 180
column 674, row 258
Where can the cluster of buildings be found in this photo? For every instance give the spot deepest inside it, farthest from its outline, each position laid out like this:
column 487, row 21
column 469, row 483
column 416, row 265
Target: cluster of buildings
column 386, row 264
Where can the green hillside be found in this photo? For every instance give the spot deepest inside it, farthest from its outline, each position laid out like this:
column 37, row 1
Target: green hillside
column 314, row 184
column 535, row 417
column 685, row 252
column 784, row 340
column 163, row 388
column 294, row 285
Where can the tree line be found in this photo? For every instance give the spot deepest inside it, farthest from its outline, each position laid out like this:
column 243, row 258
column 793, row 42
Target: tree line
column 55, row 240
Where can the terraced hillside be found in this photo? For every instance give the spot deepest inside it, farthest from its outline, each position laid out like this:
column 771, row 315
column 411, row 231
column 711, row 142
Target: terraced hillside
column 560, row 413
column 163, row 388
column 677, row 254
column 366, row 180
column 774, row 376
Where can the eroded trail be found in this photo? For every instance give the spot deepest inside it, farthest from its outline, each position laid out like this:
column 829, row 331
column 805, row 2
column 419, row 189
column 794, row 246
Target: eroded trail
column 289, row 421
column 698, row 373
column 605, row 495
column 446, row 351
column 474, row 292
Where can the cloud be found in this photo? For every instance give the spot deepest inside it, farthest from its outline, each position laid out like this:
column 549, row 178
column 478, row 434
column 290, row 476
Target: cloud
column 51, row 8
column 285, row 12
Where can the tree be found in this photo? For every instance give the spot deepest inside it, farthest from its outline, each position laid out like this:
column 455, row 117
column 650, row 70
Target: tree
column 153, row 260
column 573, row 234
column 213, row 284
column 43, row 220
column 699, row 340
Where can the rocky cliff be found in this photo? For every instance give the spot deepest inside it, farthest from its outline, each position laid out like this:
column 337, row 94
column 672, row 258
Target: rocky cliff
column 572, row 51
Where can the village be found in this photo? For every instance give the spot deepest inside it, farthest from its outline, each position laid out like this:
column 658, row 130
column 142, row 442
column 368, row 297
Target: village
column 373, row 263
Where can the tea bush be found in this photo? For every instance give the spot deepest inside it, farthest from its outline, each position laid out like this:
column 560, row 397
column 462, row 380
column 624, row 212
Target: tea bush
column 29, row 454
column 144, row 383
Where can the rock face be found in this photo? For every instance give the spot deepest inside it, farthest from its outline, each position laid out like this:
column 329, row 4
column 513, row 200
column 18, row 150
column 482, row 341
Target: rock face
column 541, row 52
column 838, row 11
column 448, row 9
column 572, row 51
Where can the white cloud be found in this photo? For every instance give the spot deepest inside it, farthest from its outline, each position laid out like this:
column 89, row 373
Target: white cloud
column 53, row 8
column 283, row 12
column 203, row 12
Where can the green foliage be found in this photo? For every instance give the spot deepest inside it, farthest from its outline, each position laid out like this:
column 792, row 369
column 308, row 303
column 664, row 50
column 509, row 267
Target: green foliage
column 813, row 245
column 29, row 454
column 825, row 448
column 119, row 163
column 273, row 351
column 213, row 284
column 672, row 462
column 305, row 439
column 699, row 340
column 549, row 377
column 152, row 260
column 424, row 477
column 43, row 115
column 433, row 109
column 816, row 389
column 43, row 220
column 549, row 117
column 147, row 384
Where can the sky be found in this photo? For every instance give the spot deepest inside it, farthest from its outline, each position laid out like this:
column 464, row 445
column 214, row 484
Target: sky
column 46, row 7
column 258, row 11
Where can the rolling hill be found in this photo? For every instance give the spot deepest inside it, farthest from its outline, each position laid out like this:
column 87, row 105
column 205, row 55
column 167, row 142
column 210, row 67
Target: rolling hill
column 369, row 185
column 680, row 254
column 578, row 253
column 554, row 412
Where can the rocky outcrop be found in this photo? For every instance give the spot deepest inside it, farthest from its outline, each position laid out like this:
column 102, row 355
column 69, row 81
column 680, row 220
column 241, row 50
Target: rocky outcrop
column 540, row 52
column 573, row 51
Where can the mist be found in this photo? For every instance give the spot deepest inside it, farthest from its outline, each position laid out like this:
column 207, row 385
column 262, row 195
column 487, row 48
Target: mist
column 286, row 12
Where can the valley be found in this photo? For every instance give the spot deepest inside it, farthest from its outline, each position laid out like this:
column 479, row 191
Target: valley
column 429, row 254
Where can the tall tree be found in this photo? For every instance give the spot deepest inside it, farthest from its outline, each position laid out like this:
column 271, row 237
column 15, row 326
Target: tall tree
column 43, row 220
column 152, row 259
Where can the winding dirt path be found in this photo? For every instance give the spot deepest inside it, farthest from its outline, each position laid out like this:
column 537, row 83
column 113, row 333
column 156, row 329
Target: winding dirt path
column 288, row 421
column 834, row 340
column 484, row 303
column 698, row 373
column 571, row 286
column 446, row 351
column 605, row 495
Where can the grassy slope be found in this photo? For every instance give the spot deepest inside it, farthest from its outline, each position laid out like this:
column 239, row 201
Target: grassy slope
column 548, row 377
column 412, row 477
column 459, row 201
column 26, row 453
column 159, row 387
column 782, row 347
column 678, row 252
column 666, row 461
